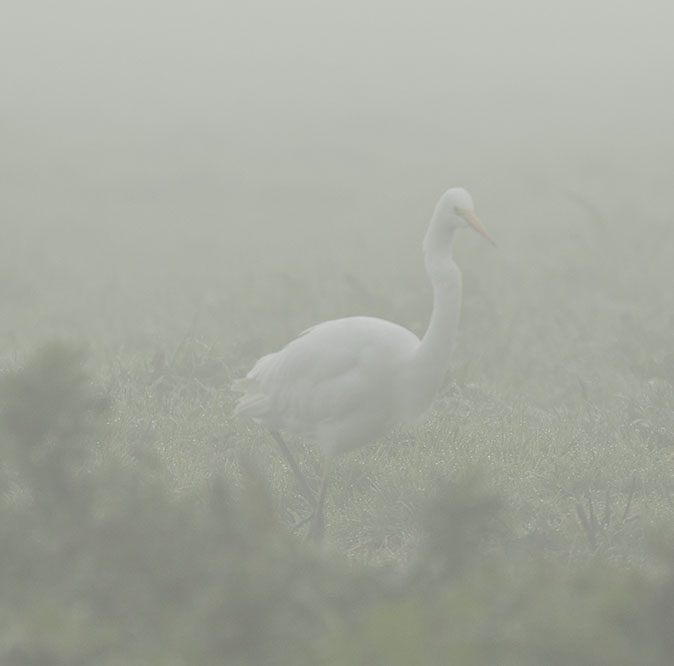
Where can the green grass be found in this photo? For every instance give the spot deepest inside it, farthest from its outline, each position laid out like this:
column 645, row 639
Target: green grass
column 525, row 520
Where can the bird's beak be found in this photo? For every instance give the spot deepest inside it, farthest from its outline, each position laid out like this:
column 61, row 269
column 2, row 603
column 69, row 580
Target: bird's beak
column 471, row 218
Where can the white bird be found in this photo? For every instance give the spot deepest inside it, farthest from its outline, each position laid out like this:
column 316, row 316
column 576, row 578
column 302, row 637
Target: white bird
column 346, row 382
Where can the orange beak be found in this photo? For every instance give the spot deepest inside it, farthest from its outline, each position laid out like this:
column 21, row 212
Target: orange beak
column 472, row 219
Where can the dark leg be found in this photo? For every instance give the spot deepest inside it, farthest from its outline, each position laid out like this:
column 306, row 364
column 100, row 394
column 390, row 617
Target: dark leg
column 304, row 486
column 316, row 526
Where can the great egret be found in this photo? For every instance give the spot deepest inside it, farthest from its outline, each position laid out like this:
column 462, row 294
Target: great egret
column 346, row 382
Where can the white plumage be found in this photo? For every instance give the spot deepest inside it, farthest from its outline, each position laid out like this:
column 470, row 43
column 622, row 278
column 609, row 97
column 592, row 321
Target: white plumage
column 346, row 382
column 337, row 384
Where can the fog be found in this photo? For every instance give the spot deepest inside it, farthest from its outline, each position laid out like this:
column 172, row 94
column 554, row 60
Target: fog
column 132, row 122
column 186, row 186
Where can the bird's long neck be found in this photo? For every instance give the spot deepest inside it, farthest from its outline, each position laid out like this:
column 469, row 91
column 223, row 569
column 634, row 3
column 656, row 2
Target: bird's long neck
column 434, row 352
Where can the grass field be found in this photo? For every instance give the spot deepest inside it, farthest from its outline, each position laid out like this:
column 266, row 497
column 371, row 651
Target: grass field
column 185, row 187
column 526, row 519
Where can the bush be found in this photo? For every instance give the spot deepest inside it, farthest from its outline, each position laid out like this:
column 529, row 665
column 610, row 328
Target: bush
column 102, row 564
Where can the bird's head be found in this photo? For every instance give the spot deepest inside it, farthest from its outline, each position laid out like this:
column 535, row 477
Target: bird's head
column 455, row 210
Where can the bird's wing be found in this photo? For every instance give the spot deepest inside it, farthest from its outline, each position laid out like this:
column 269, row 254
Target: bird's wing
column 335, row 369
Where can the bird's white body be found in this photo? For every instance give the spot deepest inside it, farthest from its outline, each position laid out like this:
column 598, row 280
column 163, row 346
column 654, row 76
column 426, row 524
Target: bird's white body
column 342, row 383
column 346, row 382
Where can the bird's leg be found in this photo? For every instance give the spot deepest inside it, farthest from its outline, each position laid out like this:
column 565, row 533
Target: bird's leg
column 316, row 526
column 304, row 486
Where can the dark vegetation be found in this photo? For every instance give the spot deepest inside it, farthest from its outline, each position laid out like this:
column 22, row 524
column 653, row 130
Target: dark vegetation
column 103, row 562
column 185, row 186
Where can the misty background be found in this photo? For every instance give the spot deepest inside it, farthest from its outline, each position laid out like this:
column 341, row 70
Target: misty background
column 157, row 143
column 186, row 186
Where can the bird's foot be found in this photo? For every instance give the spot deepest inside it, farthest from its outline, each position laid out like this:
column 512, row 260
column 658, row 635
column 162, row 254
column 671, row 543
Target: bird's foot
column 316, row 526
column 303, row 522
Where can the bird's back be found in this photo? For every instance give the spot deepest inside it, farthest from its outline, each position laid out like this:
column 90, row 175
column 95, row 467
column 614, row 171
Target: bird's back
column 340, row 382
